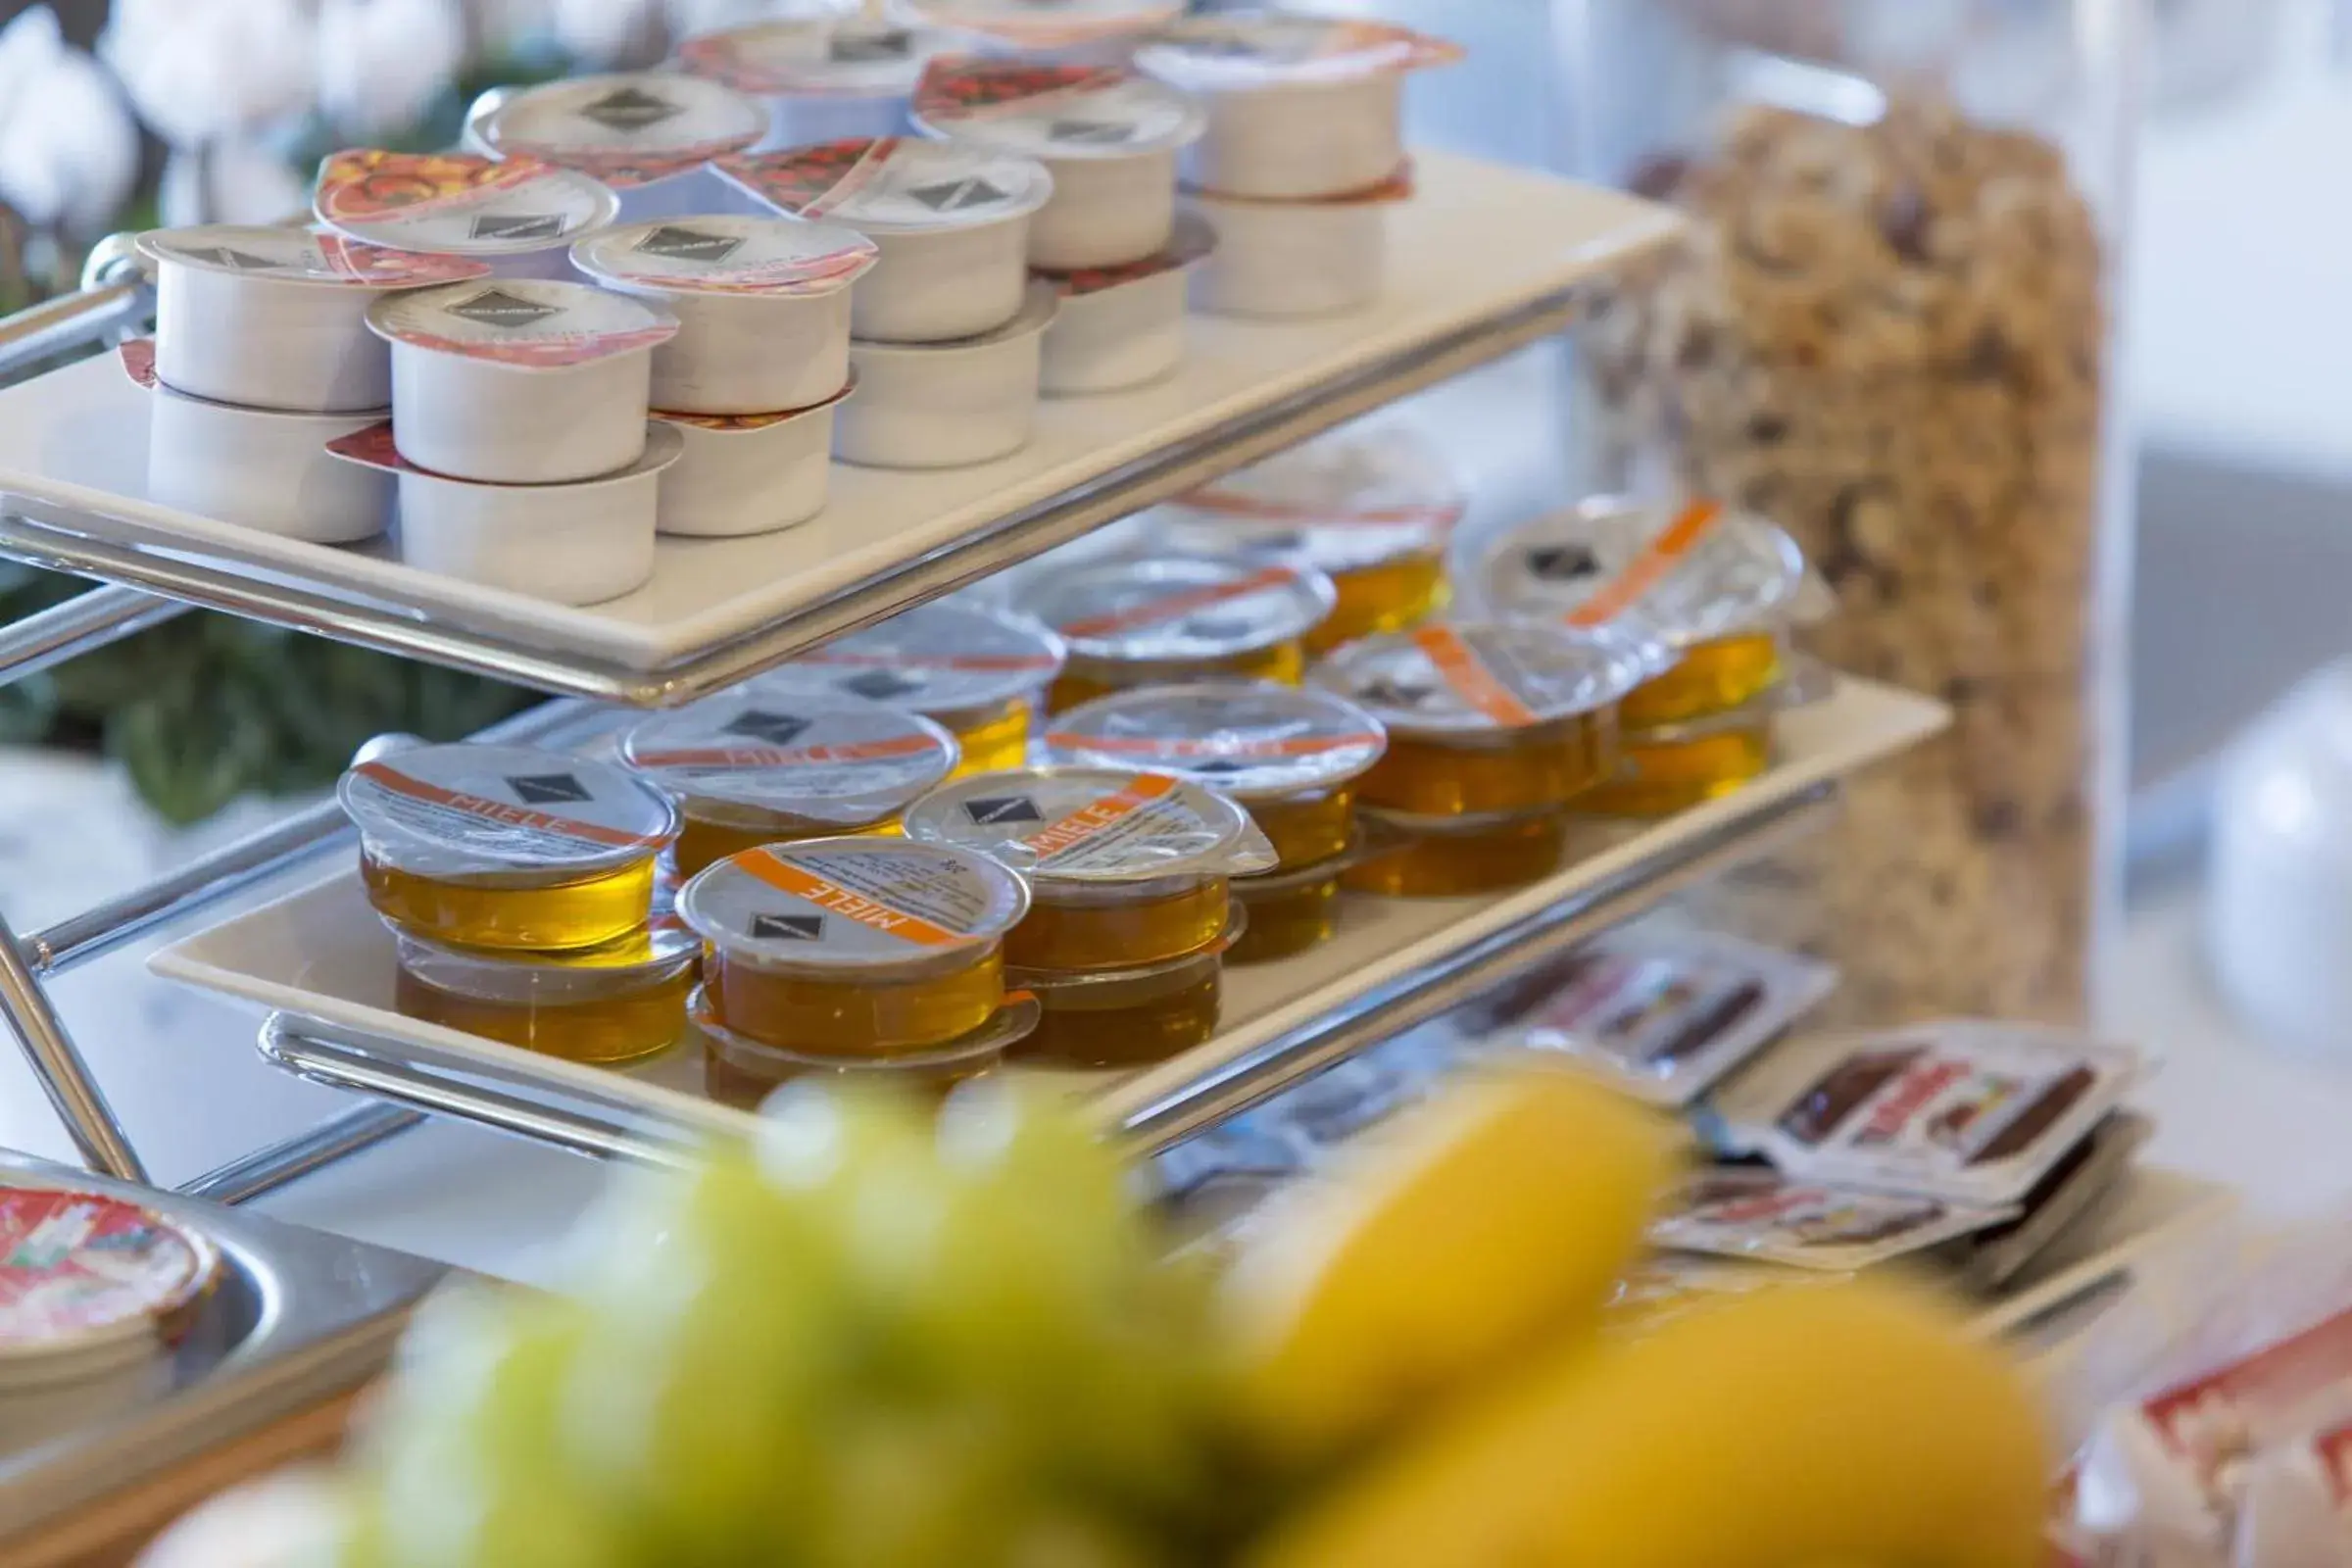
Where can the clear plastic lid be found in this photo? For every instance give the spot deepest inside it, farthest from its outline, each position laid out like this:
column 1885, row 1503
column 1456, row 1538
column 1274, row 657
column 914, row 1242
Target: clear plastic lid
column 302, row 256
column 945, row 656
column 854, row 56
column 447, row 811
column 1345, row 501
column 1046, row 25
column 856, row 904
column 1194, row 240
column 1247, row 739
column 80, row 1269
column 1681, row 574
column 728, row 254
column 1238, row 51
column 893, row 184
column 1042, row 110
column 527, row 322
column 811, row 756
column 626, row 129
column 1450, row 680
column 1766, row 1217
column 1093, row 825
column 458, row 203
column 1175, row 609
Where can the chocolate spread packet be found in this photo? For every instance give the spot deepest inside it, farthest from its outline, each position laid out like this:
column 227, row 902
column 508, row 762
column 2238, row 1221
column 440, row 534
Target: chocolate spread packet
column 1969, row 1111
column 1756, row 1214
column 2090, row 1170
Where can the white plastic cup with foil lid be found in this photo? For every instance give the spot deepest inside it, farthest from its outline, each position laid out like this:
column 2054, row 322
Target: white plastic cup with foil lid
column 738, row 474
column 646, row 135
column 1279, row 260
column 946, row 405
column 516, row 215
column 821, row 78
column 1123, row 328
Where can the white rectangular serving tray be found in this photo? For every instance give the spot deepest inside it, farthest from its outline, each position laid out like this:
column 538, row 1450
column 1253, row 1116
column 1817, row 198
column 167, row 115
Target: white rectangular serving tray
column 320, row 954
column 1476, row 242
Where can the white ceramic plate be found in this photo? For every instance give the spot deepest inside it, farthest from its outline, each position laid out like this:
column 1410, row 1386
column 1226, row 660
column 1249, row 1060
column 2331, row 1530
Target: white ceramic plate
column 1478, row 241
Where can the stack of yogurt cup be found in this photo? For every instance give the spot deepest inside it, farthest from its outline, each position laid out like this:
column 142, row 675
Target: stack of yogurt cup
column 1303, row 153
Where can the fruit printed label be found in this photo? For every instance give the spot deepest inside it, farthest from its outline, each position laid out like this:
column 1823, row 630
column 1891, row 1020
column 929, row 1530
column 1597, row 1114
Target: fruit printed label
column 139, row 362
column 527, row 322
column 305, row 255
column 1054, row 110
column 892, row 182
column 1762, row 1215
column 625, row 131
column 940, row 658
column 1245, row 50
column 1178, row 609
column 1449, row 679
column 457, row 202
column 729, row 255
column 1245, row 740
column 506, row 804
column 849, row 55
column 833, row 760
column 75, row 1265
column 851, row 903
column 1094, row 824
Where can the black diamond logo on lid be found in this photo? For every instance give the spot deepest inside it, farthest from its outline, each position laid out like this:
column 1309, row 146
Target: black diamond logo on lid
column 1562, row 563
column 860, row 48
column 547, row 789
column 1385, row 693
column 1097, row 132
column 959, row 195
column 630, row 109
column 1274, row 544
column 236, row 260
column 1222, row 765
column 1004, row 809
column 777, row 730
column 690, row 244
column 519, row 225
column 881, row 684
column 1218, row 629
column 787, row 927
column 495, row 307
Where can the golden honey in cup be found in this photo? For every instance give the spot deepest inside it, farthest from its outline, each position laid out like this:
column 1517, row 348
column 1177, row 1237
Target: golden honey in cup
column 765, row 765
column 1715, row 588
column 1123, row 1019
column 619, row 1002
column 505, row 845
column 1287, row 911
column 1373, row 510
column 854, row 947
column 742, row 1072
column 1156, row 620
column 1488, row 717
column 1126, row 869
column 1437, row 858
column 1677, row 767
column 977, row 671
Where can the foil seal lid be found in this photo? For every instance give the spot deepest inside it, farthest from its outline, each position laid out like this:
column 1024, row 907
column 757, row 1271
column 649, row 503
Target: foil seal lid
column 1683, row 575
column 1046, row 25
column 1176, row 608
column 856, row 56
column 468, row 807
column 1249, row 740
column 853, row 903
column 1240, row 51
column 79, row 1269
column 893, row 184
column 1093, row 825
column 940, row 658
column 1042, row 110
column 728, row 254
column 302, row 256
column 816, row 757
column 626, row 129
column 529, row 323
column 457, row 202
column 1194, row 241
column 1450, row 679
column 1345, row 501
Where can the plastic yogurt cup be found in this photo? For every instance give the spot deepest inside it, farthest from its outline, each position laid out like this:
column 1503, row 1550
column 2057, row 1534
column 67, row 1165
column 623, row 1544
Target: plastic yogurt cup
column 255, row 467
column 1122, row 326
column 1718, row 589
column 645, row 135
column 1125, row 869
column 90, row 1285
column 1371, row 509
column 575, row 544
column 1094, row 31
column 746, row 474
column 948, row 405
column 1278, row 260
column 619, row 1002
column 1487, row 718
column 277, row 317
column 506, row 845
column 821, row 78
column 758, row 765
column 854, row 946
column 1109, row 136
column 1299, row 106
column 762, row 306
column 518, row 215
column 974, row 671
column 1159, row 619
column 1290, row 757
column 520, row 380
column 950, row 222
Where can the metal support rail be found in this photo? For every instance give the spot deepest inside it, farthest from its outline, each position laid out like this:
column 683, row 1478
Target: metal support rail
column 81, row 624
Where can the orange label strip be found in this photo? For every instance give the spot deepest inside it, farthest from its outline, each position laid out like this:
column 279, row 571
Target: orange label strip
column 1054, row 838
column 831, row 897
column 490, row 810
column 780, row 757
column 1180, row 604
column 1648, row 569
column 1460, row 665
